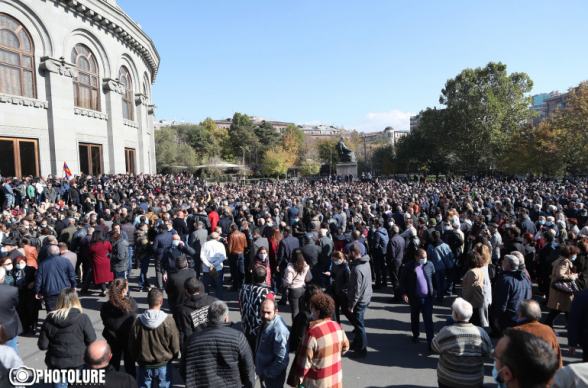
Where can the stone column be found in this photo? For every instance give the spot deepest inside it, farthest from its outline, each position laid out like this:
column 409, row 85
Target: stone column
column 58, row 81
column 114, row 90
column 150, row 144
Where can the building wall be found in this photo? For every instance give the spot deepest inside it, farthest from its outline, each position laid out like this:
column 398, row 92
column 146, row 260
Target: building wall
column 52, row 118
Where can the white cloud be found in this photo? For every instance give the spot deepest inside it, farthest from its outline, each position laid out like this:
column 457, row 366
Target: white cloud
column 376, row 122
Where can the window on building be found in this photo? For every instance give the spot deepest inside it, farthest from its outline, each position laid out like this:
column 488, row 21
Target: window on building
column 17, row 76
column 127, row 98
column 130, row 160
column 90, row 159
column 20, row 157
column 85, row 85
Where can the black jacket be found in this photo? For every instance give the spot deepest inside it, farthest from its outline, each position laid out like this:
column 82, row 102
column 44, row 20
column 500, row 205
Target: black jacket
column 408, row 279
column 517, row 244
column 117, row 322
column 217, row 356
column 192, row 315
column 8, row 315
column 66, row 340
column 340, row 275
column 175, row 287
column 312, row 254
column 298, row 331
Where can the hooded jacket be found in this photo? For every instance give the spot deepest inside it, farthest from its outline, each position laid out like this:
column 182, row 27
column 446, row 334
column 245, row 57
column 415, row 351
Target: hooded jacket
column 193, row 314
column 360, row 282
column 154, row 339
column 119, row 257
column 66, row 339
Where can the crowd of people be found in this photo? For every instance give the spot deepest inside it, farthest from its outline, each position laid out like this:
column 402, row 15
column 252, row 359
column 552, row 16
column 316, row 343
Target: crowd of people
column 505, row 246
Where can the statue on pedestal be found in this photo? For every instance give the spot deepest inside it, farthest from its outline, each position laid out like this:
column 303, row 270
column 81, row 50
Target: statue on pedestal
column 346, row 155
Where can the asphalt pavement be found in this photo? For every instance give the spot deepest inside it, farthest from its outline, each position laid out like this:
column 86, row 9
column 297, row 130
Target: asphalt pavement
column 393, row 360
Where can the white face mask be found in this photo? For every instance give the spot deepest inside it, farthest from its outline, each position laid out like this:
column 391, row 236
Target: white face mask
column 263, row 256
column 8, row 267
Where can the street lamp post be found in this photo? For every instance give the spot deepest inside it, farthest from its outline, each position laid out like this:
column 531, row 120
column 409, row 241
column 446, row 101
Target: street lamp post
column 364, row 154
column 330, row 163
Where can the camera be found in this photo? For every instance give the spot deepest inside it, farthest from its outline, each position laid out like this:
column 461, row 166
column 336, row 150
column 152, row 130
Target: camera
column 22, row 376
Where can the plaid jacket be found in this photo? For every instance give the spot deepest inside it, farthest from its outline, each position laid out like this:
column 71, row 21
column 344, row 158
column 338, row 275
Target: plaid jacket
column 319, row 357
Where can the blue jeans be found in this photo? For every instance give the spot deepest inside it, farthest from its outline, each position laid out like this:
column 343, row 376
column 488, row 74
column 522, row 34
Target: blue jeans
column 143, row 283
column 441, row 274
column 237, row 269
column 423, row 306
column 217, row 283
column 131, row 251
column 12, row 344
column 155, row 377
column 358, row 323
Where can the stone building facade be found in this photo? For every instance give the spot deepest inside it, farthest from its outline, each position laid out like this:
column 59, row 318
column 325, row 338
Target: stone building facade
column 75, row 87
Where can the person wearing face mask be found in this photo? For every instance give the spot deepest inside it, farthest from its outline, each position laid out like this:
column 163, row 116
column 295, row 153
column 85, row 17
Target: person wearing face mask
column 562, row 270
column 178, row 248
column 7, row 264
column 261, row 259
column 522, row 359
column 418, row 286
column 461, row 344
column 28, row 307
column 339, row 274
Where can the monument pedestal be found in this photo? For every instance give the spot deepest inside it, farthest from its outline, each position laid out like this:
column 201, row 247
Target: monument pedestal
column 347, row 168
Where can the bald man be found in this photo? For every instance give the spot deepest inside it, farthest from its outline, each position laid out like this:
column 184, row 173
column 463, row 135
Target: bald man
column 97, row 356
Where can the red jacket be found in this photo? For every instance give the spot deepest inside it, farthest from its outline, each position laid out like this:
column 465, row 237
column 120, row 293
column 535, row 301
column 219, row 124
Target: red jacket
column 213, row 216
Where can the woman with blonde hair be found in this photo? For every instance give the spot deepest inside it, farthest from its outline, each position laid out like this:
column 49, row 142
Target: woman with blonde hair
column 66, row 333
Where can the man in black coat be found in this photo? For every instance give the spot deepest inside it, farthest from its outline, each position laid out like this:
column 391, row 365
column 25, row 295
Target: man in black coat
column 8, row 315
column 312, row 254
column 97, row 357
column 283, row 257
column 174, row 287
column 218, row 356
column 193, row 313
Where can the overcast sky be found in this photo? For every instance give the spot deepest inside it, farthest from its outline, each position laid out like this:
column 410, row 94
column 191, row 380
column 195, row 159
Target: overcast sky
column 360, row 64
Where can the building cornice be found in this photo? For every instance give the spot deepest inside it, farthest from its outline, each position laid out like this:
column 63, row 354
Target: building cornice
column 130, row 123
column 101, row 13
column 24, row 101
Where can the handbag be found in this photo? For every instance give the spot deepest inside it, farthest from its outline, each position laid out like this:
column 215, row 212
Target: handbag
column 566, row 286
column 213, row 273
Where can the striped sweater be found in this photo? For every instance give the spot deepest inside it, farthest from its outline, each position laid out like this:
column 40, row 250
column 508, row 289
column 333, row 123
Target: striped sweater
column 463, row 347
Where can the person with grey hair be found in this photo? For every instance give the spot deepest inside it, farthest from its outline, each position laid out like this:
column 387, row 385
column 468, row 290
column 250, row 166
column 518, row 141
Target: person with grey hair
column 462, row 346
column 218, row 356
column 512, row 286
column 529, row 316
column 54, row 274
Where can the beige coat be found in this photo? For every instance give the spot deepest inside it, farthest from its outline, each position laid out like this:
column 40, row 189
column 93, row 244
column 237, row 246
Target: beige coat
column 562, row 270
column 473, row 287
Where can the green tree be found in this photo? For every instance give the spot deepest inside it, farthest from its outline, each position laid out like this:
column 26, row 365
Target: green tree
column 267, row 137
column 201, row 139
column 241, row 139
column 570, row 124
column 276, row 161
column 483, row 107
column 327, row 152
column 309, row 167
column 171, row 151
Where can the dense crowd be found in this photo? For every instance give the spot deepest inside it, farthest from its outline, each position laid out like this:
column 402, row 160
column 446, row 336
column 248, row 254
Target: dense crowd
column 505, row 246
